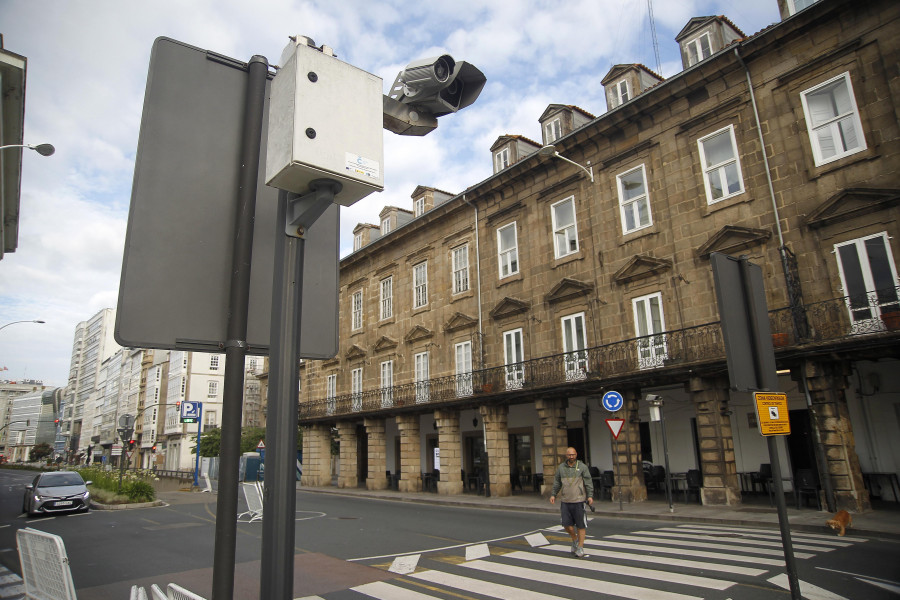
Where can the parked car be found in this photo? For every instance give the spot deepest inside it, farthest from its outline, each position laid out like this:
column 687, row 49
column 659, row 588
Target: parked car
column 57, row 491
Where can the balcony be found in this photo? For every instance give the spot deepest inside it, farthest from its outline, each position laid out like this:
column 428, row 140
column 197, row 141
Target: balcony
column 817, row 328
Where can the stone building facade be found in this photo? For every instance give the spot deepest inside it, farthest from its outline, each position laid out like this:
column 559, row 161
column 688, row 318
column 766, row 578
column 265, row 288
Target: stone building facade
column 478, row 337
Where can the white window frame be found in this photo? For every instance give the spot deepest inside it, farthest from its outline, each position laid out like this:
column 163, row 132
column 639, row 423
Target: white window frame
column 387, row 384
column 565, row 235
column 508, row 258
column 649, row 328
column 619, row 95
column 357, row 242
column 463, row 353
column 553, row 130
column 419, row 206
column 721, row 169
column 330, row 393
column 212, row 389
column 460, row 266
column 630, row 207
column 513, row 357
column 423, row 387
column 574, row 343
column 501, row 159
column 420, row 284
column 695, row 45
column 356, row 310
column 213, row 362
column 834, row 125
column 386, row 296
column 356, row 389
column 792, row 6
column 867, row 305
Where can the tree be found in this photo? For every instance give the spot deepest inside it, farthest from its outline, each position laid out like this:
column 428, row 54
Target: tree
column 210, row 441
column 42, row 450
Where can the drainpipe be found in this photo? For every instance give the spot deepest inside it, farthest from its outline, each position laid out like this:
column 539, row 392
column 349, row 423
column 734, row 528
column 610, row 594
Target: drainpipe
column 478, row 286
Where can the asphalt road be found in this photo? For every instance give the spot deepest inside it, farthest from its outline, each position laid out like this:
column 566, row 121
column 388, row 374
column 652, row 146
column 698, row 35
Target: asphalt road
column 349, row 548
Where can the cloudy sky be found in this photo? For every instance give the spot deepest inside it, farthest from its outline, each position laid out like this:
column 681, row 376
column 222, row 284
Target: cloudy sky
column 87, row 70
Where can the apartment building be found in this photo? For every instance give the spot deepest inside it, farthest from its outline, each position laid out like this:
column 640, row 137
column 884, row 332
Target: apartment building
column 477, row 337
column 33, row 420
column 8, row 391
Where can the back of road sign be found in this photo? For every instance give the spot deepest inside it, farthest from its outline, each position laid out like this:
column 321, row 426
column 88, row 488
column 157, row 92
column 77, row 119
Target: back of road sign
column 176, row 272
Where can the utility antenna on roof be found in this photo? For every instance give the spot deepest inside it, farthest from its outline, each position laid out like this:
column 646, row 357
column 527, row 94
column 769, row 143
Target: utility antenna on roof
column 653, row 33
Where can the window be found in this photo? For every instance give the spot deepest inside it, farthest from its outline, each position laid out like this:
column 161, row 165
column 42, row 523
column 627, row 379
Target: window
column 832, row 119
column 461, row 269
column 213, row 390
column 422, row 384
column 357, row 310
column 633, row 200
column 387, row 384
column 574, row 344
column 214, row 363
column 509, row 252
column 552, row 131
column 357, row 242
column 330, row 393
column 252, row 364
column 698, row 49
column 387, row 292
column 869, row 277
column 501, row 160
column 419, row 206
column 721, row 168
column 795, row 6
column 649, row 328
column 420, row 285
column 565, row 234
column 356, row 388
column 620, row 93
column 385, row 226
column 464, row 369
column 183, row 385
column 513, row 357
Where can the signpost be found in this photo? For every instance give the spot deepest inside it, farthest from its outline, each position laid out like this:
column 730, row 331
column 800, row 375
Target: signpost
column 613, row 402
column 191, row 412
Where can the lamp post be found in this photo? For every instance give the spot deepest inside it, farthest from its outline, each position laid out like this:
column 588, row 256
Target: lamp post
column 42, row 149
column 14, row 322
column 656, row 414
column 550, row 150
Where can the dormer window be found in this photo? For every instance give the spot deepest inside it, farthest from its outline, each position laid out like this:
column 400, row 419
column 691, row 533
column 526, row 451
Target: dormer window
column 552, row 131
column 385, row 226
column 795, row 6
column 698, row 49
column 357, row 242
column 620, row 92
column 419, row 206
column 501, row 160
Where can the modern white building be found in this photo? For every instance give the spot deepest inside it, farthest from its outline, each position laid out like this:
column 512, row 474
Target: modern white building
column 32, row 420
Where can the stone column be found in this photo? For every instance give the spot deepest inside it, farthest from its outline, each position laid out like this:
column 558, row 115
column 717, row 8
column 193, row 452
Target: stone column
column 627, row 460
column 316, row 456
column 410, row 453
column 827, row 382
column 720, row 479
column 554, row 440
column 496, row 438
column 377, row 459
column 450, row 444
column 347, row 478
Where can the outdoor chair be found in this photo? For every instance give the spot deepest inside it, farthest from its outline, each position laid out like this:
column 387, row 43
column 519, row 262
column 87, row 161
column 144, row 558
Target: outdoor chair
column 806, row 484
column 763, row 478
column 607, row 483
column 597, row 480
column 253, row 497
column 45, row 566
column 692, row 483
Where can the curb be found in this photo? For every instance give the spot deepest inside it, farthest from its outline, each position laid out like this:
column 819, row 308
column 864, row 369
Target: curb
column 98, row 506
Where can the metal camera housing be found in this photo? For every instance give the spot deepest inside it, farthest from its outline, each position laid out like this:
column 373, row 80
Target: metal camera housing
column 438, row 85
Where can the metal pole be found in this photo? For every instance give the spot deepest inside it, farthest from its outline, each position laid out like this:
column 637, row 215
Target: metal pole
column 276, row 575
column 783, row 524
column 618, row 468
column 197, row 458
column 662, row 423
column 236, row 344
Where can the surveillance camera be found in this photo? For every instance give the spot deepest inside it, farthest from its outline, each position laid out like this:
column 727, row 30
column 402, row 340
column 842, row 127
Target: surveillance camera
column 653, row 398
column 438, row 85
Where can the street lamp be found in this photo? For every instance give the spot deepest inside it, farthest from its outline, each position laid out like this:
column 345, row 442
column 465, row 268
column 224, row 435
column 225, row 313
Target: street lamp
column 550, row 150
column 14, row 322
column 42, row 149
column 656, row 414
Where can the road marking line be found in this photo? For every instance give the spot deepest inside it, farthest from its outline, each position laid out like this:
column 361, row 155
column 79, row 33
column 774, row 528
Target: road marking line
column 687, row 552
column 536, row 539
column 807, row 590
column 579, row 583
column 483, row 588
column 880, row 584
column 695, row 544
column 477, row 551
column 672, row 562
column 731, row 540
column 386, row 591
column 405, row 565
column 822, row 538
column 593, row 565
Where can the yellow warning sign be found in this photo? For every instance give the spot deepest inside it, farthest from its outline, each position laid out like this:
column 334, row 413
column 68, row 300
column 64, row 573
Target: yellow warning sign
column 772, row 413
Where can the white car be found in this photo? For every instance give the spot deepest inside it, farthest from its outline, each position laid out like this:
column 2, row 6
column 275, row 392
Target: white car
column 57, row 491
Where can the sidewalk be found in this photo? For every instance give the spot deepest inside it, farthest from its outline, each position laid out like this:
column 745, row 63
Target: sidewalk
column 884, row 521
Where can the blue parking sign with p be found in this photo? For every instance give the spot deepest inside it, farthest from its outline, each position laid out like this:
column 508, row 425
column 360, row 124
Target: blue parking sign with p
column 190, row 411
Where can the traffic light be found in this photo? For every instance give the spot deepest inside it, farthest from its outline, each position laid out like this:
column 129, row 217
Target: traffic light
column 153, row 448
column 131, row 444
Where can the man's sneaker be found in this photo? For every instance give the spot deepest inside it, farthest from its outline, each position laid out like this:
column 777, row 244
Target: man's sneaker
column 579, row 552
column 574, row 547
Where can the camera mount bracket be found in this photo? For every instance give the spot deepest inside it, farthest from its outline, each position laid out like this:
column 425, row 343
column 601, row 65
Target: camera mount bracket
column 303, row 211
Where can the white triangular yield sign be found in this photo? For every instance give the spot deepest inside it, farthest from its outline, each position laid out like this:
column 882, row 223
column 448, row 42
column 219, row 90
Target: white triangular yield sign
column 261, row 445
column 615, row 425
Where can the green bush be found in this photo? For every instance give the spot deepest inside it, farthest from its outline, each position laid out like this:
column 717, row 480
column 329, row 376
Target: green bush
column 139, row 491
column 134, row 483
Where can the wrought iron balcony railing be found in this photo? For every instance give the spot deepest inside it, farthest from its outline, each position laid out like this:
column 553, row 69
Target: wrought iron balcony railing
column 838, row 319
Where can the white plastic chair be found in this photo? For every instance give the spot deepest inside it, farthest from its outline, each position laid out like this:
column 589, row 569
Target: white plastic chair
column 253, row 496
column 176, row 592
column 45, row 566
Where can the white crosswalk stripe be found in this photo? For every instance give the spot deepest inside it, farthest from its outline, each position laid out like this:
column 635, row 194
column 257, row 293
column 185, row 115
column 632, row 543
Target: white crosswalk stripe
column 830, row 540
column 735, row 540
column 673, row 562
column 688, row 552
column 11, row 585
column 694, row 543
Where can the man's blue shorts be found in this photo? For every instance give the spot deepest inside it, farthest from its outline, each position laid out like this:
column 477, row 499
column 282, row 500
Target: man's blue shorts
column 572, row 514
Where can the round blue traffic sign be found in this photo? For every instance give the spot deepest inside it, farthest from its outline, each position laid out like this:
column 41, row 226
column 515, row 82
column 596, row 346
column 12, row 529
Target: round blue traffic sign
column 613, row 401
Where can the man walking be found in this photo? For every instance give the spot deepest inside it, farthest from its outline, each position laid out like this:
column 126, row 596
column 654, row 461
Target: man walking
column 574, row 479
